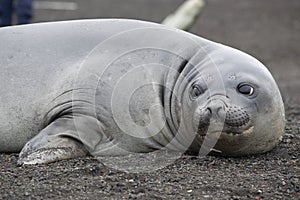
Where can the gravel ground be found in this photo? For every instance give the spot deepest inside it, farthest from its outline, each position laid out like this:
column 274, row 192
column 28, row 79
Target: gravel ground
column 267, row 29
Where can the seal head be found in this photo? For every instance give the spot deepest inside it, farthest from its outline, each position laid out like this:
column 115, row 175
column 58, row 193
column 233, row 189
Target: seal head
column 235, row 104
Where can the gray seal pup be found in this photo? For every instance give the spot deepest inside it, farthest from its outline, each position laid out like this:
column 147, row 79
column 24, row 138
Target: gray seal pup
column 115, row 87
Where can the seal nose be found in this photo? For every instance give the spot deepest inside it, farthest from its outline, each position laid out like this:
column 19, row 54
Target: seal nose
column 213, row 114
column 217, row 109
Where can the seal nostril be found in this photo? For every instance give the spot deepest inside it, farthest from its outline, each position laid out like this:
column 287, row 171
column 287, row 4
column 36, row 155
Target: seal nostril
column 209, row 109
column 207, row 114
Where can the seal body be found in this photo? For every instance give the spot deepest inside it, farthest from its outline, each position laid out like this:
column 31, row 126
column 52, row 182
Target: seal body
column 114, row 87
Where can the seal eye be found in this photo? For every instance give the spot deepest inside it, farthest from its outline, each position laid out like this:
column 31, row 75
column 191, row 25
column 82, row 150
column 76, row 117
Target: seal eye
column 246, row 89
column 196, row 91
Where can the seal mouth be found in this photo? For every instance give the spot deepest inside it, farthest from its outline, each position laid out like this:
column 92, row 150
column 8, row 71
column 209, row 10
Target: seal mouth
column 237, row 129
column 246, row 131
column 232, row 129
column 222, row 133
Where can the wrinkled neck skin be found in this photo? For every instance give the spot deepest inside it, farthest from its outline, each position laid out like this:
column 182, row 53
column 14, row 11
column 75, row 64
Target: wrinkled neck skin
column 222, row 120
column 177, row 82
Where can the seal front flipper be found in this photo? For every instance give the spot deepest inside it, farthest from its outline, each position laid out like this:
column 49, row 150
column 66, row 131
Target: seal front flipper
column 64, row 138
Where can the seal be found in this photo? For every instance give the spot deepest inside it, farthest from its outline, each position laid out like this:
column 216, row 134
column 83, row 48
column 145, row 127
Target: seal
column 115, row 87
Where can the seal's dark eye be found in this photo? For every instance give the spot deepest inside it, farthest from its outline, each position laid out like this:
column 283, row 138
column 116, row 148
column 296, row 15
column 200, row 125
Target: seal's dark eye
column 196, row 91
column 246, row 89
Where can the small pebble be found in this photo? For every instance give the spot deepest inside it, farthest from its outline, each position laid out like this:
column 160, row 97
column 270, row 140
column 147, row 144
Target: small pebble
column 259, row 191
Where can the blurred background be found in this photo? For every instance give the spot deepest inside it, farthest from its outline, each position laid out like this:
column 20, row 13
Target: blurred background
column 267, row 29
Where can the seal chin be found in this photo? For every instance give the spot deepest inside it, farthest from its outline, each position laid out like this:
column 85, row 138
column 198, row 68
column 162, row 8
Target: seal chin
column 227, row 143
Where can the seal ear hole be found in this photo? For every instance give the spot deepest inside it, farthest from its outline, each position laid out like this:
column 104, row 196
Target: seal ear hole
column 246, row 89
column 196, row 91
